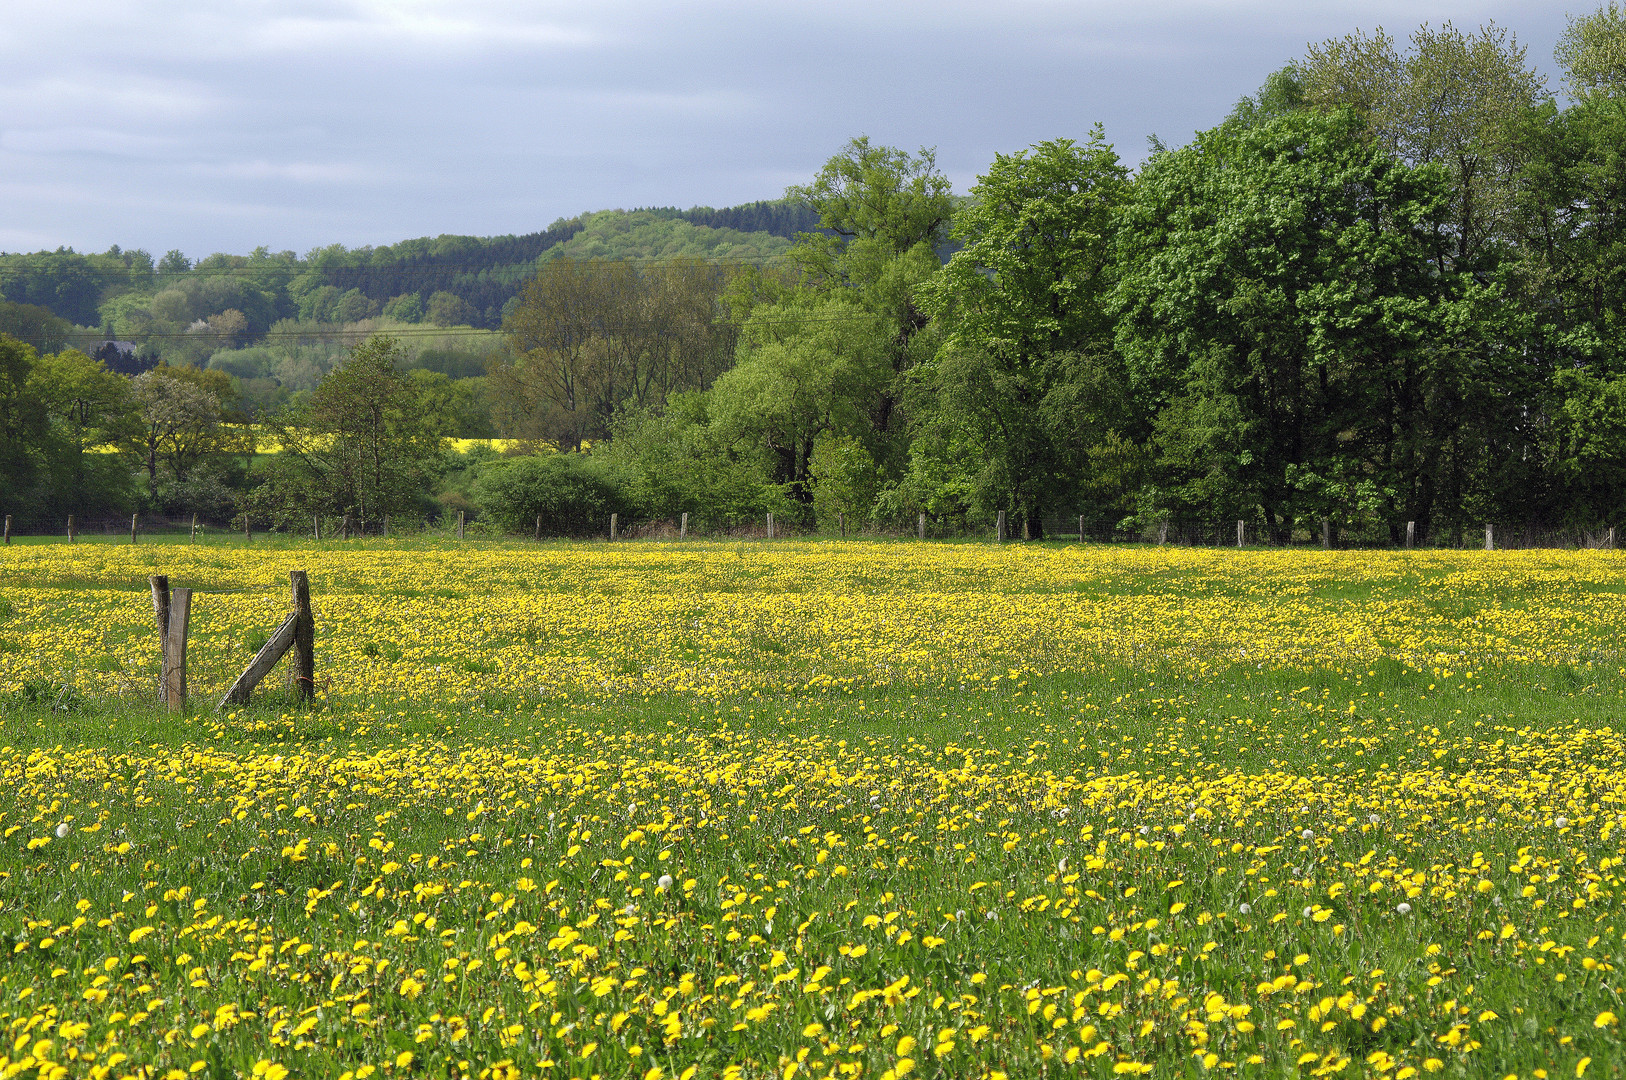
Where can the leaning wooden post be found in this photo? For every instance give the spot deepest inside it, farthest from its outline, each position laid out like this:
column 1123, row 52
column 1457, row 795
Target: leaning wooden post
column 160, row 613
column 8, row 528
column 304, row 669
column 1490, row 537
column 614, row 522
column 999, row 528
column 1411, row 534
column 71, row 530
column 133, row 519
column 920, row 526
column 180, row 613
column 683, row 526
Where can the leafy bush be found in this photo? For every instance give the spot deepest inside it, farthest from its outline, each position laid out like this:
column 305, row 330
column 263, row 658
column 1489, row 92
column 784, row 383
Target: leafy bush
column 574, row 493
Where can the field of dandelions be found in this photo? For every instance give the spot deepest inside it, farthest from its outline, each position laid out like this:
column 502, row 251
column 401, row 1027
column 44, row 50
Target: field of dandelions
column 816, row 809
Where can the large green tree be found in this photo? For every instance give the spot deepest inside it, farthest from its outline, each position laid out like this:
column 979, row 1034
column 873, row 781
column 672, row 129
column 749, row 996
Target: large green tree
column 1283, row 311
column 1025, row 325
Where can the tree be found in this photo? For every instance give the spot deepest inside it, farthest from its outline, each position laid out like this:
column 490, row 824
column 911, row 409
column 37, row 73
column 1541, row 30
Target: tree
column 1454, row 99
column 363, row 444
column 1592, row 52
column 88, row 407
column 1282, row 311
column 883, row 211
column 1021, row 307
column 180, row 426
column 591, row 338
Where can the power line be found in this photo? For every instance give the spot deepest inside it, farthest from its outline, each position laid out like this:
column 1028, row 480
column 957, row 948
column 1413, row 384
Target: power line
column 299, row 268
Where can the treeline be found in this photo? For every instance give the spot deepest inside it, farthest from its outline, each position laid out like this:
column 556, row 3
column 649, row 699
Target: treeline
column 1389, row 287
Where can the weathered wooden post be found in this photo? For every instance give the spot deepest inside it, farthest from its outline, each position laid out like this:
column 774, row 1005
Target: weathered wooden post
column 1025, row 534
column 8, row 528
column 194, row 528
column 1241, row 532
column 1608, row 537
column 1163, row 532
column 1490, row 537
column 683, row 526
column 316, row 526
column 999, row 528
column 1411, row 534
column 1081, row 528
column 459, row 525
column 304, row 670
column 1326, row 533
column 72, row 532
column 770, row 525
column 133, row 519
column 160, row 614
column 180, row 613
column 841, row 523
column 920, row 526
column 615, row 524
column 539, row 527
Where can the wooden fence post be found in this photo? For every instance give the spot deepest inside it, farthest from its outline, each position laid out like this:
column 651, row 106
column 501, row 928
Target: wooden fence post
column 1081, row 528
column 1026, row 535
column 539, row 527
column 1411, row 534
column 615, row 522
column 1608, row 537
column 683, row 526
column 999, row 528
column 385, row 534
column 133, row 520
column 71, row 530
column 920, row 526
column 460, row 524
column 8, row 528
column 770, row 525
column 1241, row 532
column 180, row 613
column 248, row 530
column 160, row 614
column 316, row 526
column 1326, row 533
column 1490, row 537
column 194, row 528
column 304, row 669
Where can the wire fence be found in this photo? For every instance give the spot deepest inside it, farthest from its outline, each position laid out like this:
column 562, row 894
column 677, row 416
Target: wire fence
column 1052, row 528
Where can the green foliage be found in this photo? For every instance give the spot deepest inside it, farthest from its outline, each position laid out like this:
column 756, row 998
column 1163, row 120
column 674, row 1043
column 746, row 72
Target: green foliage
column 644, row 234
column 1592, row 52
column 843, row 479
column 574, row 494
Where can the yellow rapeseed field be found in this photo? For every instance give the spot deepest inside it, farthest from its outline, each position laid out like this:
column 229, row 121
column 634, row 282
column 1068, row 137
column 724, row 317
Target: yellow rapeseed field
column 831, row 810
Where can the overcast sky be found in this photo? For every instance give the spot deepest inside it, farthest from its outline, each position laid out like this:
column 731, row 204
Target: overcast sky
column 220, row 126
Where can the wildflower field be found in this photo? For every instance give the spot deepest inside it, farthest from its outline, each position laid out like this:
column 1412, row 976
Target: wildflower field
column 817, row 809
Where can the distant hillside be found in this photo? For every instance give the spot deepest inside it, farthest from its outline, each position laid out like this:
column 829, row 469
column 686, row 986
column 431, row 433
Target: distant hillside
column 173, row 307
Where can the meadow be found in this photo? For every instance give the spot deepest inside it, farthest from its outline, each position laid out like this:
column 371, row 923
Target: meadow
column 822, row 809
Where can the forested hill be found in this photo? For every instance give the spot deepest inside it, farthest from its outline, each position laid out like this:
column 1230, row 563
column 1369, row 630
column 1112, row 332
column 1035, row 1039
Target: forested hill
column 465, row 280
